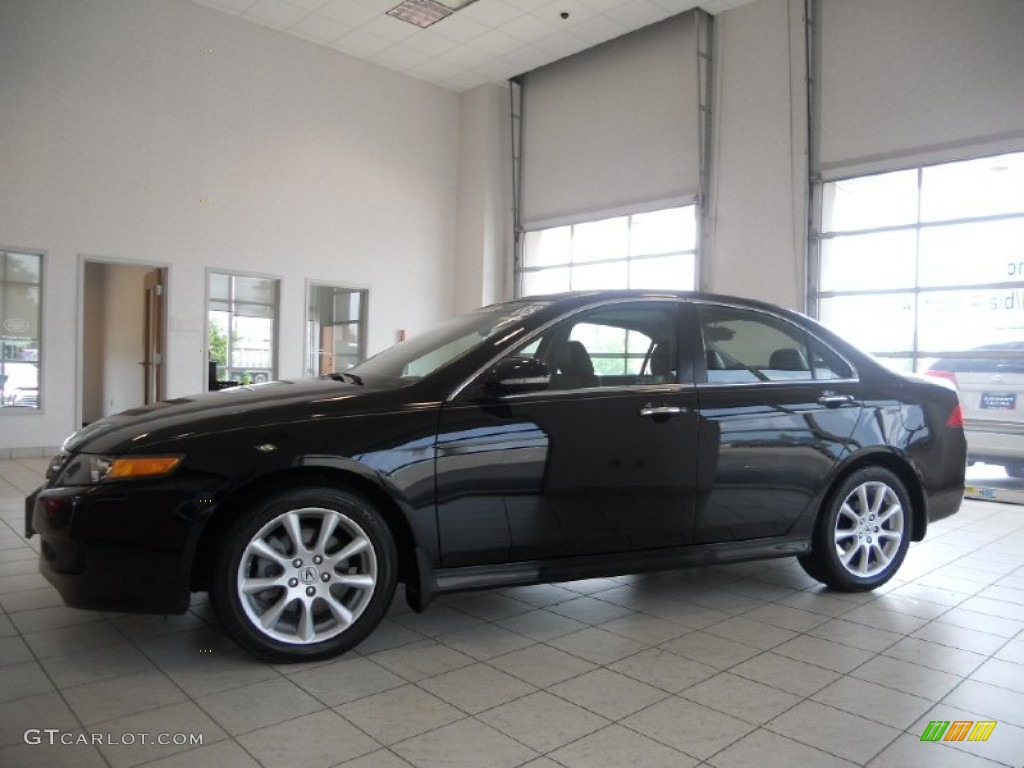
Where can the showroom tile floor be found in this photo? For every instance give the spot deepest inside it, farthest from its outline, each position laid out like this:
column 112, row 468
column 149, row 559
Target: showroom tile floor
column 742, row 665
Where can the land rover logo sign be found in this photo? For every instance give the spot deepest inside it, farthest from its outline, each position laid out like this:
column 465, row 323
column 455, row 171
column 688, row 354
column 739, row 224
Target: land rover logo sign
column 16, row 325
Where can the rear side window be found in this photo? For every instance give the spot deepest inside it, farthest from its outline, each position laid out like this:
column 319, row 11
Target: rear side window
column 743, row 346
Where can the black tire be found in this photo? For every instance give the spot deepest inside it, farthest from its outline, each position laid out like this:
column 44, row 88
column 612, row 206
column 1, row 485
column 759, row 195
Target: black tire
column 321, row 596
column 862, row 533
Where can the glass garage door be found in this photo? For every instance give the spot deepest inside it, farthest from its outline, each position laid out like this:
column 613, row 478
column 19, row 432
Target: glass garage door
column 925, row 269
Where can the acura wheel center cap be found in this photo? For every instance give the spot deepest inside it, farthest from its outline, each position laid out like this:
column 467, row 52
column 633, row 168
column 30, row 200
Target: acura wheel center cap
column 309, row 575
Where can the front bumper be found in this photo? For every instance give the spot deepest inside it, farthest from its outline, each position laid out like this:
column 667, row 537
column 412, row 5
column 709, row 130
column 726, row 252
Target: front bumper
column 127, row 547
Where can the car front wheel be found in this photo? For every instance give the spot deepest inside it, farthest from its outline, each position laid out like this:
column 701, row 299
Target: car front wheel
column 863, row 532
column 305, row 574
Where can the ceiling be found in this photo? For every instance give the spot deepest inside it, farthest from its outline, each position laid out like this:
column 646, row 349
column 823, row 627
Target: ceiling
column 486, row 42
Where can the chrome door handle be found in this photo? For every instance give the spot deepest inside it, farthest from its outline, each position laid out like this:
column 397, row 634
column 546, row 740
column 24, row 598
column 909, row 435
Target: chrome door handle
column 660, row 410
column 831, row 399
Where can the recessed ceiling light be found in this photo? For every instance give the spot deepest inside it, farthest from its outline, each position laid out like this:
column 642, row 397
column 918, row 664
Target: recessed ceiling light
column 423, row 13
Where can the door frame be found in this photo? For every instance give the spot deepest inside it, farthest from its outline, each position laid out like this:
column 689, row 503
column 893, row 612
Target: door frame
column 118, row 261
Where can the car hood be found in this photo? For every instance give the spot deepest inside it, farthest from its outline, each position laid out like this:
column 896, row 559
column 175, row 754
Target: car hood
column 276, row 402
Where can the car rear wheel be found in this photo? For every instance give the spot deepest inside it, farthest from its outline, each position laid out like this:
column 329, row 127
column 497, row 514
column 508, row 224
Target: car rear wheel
column 305, row 574
column 862, row 533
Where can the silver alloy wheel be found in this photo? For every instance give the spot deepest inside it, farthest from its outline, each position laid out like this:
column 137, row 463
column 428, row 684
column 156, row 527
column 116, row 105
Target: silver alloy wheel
column 869, row 529
column 307, row 575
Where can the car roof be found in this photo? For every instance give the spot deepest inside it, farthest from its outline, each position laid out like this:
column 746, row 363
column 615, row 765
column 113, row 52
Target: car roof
column 587, row 297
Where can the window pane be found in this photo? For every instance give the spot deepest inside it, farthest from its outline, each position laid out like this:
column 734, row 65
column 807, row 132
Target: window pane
column 887, row 199
column 543, row 281
column 23, row 267
column 255, row 289
column 334, row 332
column 746, row 347
column 674, row 229
column 873, row 323
column 985, row 187
column 971, row 254
column 959, row 320
column 19, row 329
column 606, row 239
column 663, row 272
column 241, row 327
column 220, row 287
column 547, row 247
column 597, row 276
column 868, row 262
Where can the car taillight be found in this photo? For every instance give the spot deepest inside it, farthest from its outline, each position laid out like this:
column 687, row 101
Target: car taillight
column 956, row 417
column 947, row 375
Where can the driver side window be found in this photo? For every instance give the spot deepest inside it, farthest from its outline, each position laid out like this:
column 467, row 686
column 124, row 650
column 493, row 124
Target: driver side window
column 612, row 346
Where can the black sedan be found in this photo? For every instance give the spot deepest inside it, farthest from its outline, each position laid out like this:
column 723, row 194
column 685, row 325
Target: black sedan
column 544, row 439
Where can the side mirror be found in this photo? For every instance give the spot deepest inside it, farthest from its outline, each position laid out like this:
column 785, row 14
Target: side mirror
column 517, row 375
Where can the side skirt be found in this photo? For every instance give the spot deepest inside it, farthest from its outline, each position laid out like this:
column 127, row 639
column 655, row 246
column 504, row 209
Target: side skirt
column 438, row 581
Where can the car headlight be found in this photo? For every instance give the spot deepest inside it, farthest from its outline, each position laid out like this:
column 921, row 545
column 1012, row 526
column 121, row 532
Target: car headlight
column 90, row 468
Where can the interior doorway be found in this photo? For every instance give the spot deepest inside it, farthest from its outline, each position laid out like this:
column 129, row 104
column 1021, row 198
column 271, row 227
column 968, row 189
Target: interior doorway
column 123, row 337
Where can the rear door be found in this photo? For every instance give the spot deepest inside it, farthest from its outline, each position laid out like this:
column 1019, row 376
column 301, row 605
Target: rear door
column 777, row 408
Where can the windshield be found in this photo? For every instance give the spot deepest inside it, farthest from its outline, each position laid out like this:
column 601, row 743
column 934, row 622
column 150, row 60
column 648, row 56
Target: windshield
column 420, row 356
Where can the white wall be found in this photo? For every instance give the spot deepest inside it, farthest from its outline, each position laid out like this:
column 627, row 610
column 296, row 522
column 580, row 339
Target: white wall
column 116, row 125
column 485, row 199
column 757, row 211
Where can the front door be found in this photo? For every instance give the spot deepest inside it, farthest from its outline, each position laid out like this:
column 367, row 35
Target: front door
column 601, row 461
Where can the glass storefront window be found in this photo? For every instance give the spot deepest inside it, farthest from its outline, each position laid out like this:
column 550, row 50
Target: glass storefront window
column 20, row 336
column 241, row 329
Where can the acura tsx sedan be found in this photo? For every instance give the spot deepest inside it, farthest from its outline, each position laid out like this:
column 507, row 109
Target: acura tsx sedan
column 544, row 439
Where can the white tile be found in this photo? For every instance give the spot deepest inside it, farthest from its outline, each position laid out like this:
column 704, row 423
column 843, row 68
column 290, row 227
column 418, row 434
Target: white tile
column 840, row 733
column 542, row 721
column 542, row 665
column 185, row 718
column 423, row 659
column 786, row 674
column 748, row 700
column 692, row 728
column 399, row 714
column 320, row 28
column 909, row 678
column 346, row 680
column 637, row 13
column 608, row 693
column 706, row 648
column 764, row 748
column 121, row 696
column 597, row 645
column 318, row 740
column 241, row 710
column 618, row 747
column 664, row 670
column 476, row 688
column 466, row 744
column 274, row 14
column 873, row 701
